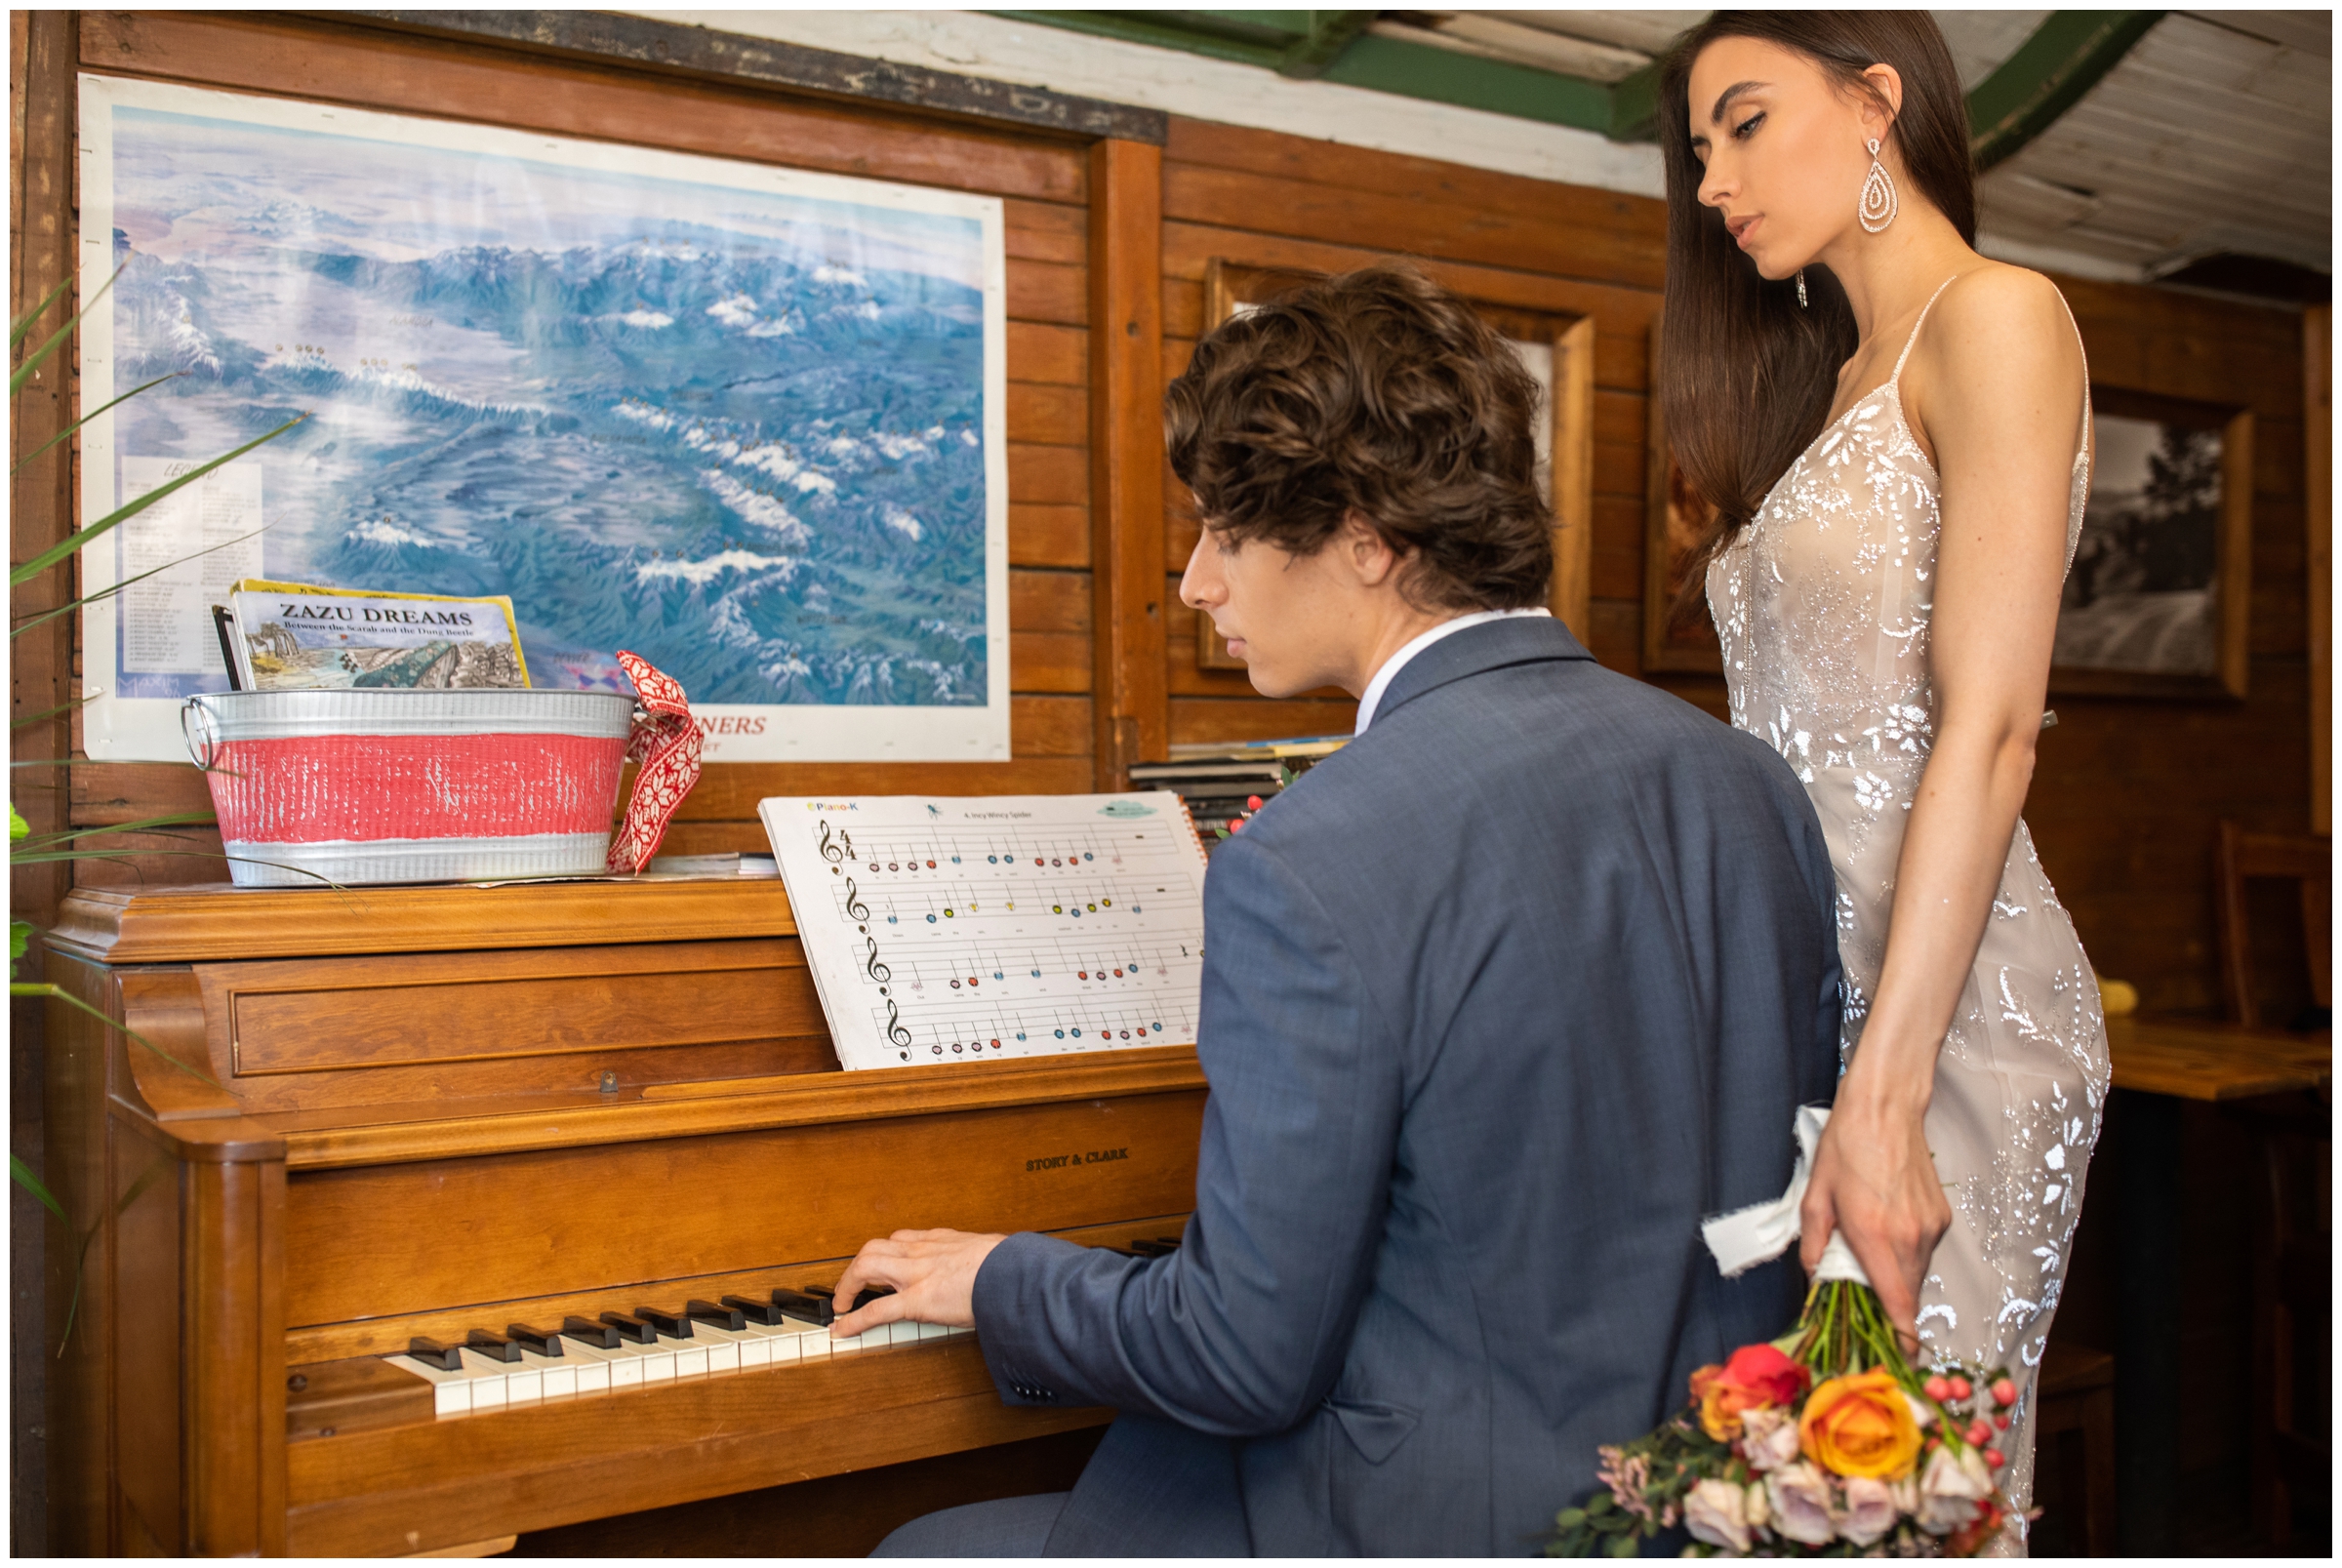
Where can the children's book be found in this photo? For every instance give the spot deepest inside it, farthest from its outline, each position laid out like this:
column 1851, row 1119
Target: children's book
column 290, row 636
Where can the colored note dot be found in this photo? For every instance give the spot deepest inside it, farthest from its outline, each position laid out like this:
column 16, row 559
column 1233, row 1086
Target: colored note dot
column 1093, row 908
column 939, row 1049
column 991, row 859
column 931, row 865
column 1037, row 860
column 996, row 975
column 1088, row 856
column 955, row 860
column 890, row 919
column 956, row 1048
column 1060, row 1033
column 1117, row 973
column 873, row 866
column 1109, row 902
column 947, row 914
column 956, row 984
column 1082, row 974
column 1158, row 1028
column 1020, row 1035
column 931, row 919
column 1077, row 1034
column 1036, row 974
column 1057, row 908
column 972, row 980
column 1126, row 1035
column 1077, row 915
column 892, row 866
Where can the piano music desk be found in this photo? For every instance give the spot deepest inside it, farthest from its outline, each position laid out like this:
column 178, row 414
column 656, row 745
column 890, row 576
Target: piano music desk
column 360, row 1116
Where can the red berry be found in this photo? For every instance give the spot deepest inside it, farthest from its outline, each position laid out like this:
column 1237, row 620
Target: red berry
column 1938, row 1389
column 1961, row 1388
column 2004, row 1392
column 1979, row 1433
column 2000, row 1421
column 1252, row 803
column 1235, row 824
column 1995, row 1458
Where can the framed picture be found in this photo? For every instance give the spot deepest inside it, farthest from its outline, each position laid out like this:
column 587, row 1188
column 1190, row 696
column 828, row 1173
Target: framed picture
column 1675, row 523
column 1556, row 349
column 2159, row 598
column 746, row 422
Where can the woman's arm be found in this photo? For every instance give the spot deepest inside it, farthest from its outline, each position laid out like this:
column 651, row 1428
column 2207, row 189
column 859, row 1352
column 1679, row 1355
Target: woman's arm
column 2000, row 379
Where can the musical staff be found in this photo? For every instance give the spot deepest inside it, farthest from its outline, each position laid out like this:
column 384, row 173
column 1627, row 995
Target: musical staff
column 999, row 926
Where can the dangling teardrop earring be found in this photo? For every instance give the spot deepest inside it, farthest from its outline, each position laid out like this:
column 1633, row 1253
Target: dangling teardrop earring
column 1876, row 207
column 1801, row 287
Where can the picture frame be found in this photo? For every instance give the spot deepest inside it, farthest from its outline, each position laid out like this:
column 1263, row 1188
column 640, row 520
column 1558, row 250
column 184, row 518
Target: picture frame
column 2157, row 599
column 1559, row 353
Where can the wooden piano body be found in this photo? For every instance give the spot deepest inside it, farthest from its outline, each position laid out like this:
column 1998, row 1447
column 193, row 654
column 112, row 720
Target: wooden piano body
column 350, row 1117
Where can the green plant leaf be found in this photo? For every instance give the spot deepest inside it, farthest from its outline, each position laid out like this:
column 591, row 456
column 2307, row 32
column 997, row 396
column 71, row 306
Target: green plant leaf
column 17, row 328
column 20, row 987
column 179, row 818
column 87, row 418
column 19, row 938
column 39, row 356
column 120, row 514
column 21, row 1175
column 1621, row 1547
column 108, row 593
column 18, row 828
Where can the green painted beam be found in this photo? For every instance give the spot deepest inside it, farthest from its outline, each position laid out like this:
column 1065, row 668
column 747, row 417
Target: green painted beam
column 2066, row 57
column 1329, row 34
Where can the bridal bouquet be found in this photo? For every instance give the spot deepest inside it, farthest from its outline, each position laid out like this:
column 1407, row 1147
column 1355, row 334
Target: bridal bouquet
column 1826, row 1442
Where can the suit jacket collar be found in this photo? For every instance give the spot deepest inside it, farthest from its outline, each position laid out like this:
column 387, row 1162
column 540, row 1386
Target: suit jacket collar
column 1475, row 650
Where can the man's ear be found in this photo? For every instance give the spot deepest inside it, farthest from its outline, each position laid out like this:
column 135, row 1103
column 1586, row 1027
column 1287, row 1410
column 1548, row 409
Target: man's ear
column 1368, row 554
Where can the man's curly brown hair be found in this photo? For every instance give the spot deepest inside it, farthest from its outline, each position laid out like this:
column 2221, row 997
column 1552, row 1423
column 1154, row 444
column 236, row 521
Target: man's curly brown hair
column 1376, row 392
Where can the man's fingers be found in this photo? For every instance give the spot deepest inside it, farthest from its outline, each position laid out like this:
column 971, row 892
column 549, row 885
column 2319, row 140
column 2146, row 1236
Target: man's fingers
column 885, row 1310
column 1815, row 1220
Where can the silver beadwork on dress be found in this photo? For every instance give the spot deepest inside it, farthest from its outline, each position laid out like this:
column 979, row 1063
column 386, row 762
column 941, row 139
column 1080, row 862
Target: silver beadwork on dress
column 1877, row 207
column 1823, row 603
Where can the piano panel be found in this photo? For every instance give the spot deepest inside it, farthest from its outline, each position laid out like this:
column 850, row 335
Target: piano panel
column 297, row 1036
column 373, row 1241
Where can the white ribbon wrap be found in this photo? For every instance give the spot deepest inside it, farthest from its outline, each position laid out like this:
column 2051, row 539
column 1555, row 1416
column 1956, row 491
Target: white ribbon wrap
column 1763, row 1232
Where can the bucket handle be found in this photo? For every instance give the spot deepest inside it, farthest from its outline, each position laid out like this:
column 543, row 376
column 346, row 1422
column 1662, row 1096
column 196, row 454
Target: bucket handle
column 199, row 727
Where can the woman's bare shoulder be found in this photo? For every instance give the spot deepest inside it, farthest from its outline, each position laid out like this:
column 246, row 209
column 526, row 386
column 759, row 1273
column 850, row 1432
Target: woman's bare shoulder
column 1996, row 301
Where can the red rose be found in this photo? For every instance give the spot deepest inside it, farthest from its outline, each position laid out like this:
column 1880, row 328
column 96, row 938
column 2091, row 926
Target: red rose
column 1755, row 1375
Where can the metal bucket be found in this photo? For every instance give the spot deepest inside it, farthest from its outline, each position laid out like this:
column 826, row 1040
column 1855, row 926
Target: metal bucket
column 369, row 787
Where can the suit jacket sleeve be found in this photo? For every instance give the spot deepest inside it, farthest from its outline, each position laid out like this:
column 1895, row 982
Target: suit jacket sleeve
column 1244, row 1328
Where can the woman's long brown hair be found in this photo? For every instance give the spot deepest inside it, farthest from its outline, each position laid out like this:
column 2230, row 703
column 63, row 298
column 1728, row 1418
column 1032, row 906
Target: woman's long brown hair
column 1747, row 376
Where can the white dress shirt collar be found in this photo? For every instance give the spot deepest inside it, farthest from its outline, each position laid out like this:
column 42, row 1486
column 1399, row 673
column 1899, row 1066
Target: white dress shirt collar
column 1398, row 660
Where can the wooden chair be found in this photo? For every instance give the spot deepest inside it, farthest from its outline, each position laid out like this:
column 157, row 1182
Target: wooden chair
column 2074, row 1429
column 2309, row 862
column 2292, row 1259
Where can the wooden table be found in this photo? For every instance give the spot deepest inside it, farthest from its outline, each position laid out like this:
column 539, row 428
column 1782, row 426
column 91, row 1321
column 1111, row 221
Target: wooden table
column 2163, row 1062
column 2206, row 1059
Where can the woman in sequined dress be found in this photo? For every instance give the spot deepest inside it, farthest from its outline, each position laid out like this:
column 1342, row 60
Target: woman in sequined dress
column 1895, row 432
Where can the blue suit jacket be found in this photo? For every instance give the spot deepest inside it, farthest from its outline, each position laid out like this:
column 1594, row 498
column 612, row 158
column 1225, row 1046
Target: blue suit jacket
column 1498, row 1002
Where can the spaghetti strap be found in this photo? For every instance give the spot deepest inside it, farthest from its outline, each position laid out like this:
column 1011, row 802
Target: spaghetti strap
column 1896, row 380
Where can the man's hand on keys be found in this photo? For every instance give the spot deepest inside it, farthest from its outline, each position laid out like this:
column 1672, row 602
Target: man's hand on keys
column 933, row 1273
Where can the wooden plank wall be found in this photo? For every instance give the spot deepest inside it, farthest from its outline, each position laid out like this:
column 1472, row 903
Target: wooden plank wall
column 1045, row 182
column 1259, row 198
column 2127, row 792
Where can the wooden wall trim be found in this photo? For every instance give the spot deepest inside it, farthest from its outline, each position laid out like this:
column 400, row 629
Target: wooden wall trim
column 2318, row 441
column 40, row 226
column 1131, row 706
column 705, row 52
column 1573, row 477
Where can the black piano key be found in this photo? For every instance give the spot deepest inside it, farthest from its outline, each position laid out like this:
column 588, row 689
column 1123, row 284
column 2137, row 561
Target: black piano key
column 871, row 1295
column 446, row 1358
column 631, row 1328
column 545, row 1342
column 674, row 1325
column 1169, row 1241
column 1151, row 1249
column 755, row 1311
column 494, row 1346
column 585, row 1331
column 730, row 1317
column 811, row 1305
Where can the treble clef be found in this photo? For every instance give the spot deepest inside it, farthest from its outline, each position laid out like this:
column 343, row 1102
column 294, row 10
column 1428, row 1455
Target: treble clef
column 842, row 850
column 895, row 1031
column 876, row 970
column 856, row 909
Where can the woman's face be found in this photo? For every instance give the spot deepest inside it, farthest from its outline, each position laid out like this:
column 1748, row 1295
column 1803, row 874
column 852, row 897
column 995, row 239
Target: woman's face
column 1781, row 149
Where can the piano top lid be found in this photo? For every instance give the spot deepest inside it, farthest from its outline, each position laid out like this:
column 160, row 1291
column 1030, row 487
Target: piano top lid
column 213, row 921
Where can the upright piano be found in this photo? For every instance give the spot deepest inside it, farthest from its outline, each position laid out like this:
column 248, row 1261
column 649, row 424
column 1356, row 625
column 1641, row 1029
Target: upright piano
column 324, row 1125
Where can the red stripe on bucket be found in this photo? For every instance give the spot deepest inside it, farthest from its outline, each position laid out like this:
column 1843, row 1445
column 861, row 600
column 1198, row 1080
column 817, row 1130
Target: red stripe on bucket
column 342, row 787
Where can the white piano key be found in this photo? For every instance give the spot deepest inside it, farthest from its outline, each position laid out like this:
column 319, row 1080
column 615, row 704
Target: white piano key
column 591, row 1365
column 691, row 1360
column 813, row 1340
column 557, row 1375
column 726, row 1347
column 488, row 1380
column 451, row 1391
column 934, row 1331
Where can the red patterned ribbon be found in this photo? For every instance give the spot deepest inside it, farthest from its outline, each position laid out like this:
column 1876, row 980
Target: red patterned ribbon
column 666, row 742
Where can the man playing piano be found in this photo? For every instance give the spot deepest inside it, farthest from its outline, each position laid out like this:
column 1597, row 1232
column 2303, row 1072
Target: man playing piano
column 1498, row 1002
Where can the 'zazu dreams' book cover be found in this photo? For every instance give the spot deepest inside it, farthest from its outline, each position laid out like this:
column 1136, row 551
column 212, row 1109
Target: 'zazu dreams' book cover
column 294, row 637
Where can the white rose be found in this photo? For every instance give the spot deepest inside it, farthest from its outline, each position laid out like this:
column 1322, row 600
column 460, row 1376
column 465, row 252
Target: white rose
column 1907, row 1493
column 1801, row 1499
column 1760, row 1511
column 1920, row 1410
column 1717, row 1513
column 1768, row 1438
column 1871, row 1510
column 1950, row 1490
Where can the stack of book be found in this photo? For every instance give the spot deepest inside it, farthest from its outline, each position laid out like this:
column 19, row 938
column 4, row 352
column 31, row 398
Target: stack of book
column 1219, row 781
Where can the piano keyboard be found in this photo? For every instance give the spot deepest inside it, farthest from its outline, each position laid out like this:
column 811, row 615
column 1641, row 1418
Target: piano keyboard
column 525, row 1365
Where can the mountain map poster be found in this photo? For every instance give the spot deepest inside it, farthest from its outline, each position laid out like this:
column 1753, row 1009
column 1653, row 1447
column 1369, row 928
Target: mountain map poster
column 746, row 422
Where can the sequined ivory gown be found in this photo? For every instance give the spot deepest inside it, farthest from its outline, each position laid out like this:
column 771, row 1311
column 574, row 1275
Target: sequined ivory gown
column 1823, row 604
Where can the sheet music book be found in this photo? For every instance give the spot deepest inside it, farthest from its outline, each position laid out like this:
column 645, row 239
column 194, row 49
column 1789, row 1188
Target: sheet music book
column 992, row 926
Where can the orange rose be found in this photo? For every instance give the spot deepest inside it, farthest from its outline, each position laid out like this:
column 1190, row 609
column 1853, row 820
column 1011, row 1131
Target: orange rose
column 1861, row 1424
column 1756, row 1375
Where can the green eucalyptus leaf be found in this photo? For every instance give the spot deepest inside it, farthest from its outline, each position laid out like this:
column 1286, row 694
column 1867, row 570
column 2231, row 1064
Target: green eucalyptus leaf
column 1623, row 1547
column 1569, row 1518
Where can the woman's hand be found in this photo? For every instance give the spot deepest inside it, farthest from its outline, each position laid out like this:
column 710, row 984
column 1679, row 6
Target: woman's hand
column 1875, row 1181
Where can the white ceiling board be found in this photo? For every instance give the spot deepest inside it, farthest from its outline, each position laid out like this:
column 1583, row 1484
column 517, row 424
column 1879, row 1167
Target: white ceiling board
column 1980, row 41
column 1496, row 37
column 2310, row 31
column 1647, row 32
column 2203, row 138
